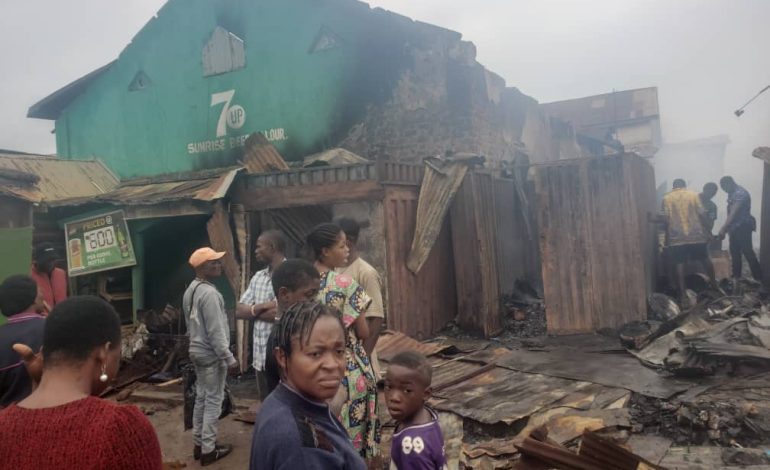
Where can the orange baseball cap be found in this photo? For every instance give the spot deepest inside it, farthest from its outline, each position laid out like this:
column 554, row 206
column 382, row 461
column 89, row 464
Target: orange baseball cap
column 201, row 255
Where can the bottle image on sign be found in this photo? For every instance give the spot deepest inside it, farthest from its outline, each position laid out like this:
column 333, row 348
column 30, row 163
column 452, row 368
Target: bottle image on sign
column 122, row 244
column 76, row 254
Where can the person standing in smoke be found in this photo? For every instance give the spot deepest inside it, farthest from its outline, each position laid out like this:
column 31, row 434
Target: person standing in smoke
column 739, row 225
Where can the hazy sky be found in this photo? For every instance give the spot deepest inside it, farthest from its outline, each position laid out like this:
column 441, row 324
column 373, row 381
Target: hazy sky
column 707, row 57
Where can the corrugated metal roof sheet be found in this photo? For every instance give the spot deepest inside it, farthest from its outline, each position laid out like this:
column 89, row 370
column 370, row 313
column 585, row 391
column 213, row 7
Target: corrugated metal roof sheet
column 260, row 156
column 59, row 179
column 502, row 395
column 441, row 181
column 208, row 185
column 391, row 343
column 333, row 157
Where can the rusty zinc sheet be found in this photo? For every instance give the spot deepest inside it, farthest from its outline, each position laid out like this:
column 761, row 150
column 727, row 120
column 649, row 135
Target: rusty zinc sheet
column 260, row 156
column 474, row 238
column 391, row 343
column 333, row 157
column 243, row 242
column 418, row 304
column 441, row 181
column 596, row 243
column 612, row 370
column 58, row 179
column 297, row 222
column 204, row 186
column 221, row 237
column 517, row 238
column 502, row 395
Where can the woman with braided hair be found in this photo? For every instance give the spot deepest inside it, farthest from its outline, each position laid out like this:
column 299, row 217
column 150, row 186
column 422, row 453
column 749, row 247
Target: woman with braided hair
column 356, row 402
column 295, row 428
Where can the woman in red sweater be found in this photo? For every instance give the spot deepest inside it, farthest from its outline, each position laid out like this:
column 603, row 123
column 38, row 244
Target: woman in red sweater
column 62, row 424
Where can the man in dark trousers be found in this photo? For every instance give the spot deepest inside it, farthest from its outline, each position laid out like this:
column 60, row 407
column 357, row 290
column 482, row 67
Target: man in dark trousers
column 709, row 206
column 686, row 236
column 258, row 301
column 739, row 225
column 19, row 302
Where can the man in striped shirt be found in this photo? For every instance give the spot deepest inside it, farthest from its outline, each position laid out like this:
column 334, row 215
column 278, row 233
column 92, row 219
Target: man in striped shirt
column 258, row 301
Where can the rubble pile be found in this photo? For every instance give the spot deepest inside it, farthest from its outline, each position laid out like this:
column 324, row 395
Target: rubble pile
column 154, row 349
column 721, row 345
column 594, row 453
column 524, row 312
column 721, row 335
column 725, row 423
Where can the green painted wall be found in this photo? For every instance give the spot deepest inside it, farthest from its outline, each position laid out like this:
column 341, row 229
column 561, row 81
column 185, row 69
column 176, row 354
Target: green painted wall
column 309, row 99
column 15, row 253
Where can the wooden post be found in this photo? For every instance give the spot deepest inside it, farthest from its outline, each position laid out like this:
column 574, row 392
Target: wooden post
column 764, row 230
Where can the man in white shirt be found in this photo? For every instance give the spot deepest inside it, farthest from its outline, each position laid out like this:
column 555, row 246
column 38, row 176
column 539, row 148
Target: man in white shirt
column 258, row 302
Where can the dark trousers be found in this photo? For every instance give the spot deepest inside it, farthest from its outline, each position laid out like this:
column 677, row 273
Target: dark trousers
column 263, row 385
column 740, row 246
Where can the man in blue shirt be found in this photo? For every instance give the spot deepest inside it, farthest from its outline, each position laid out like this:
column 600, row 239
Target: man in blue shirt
column 740, row 225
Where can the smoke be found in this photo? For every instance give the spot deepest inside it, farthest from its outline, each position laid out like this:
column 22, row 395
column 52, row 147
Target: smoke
column 707, row 58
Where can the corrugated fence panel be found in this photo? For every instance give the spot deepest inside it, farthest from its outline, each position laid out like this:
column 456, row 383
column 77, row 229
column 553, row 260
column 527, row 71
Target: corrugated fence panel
column 474, row 239
column 517, row 245
column 418, row 305
column 564, row 236
column 596, row 243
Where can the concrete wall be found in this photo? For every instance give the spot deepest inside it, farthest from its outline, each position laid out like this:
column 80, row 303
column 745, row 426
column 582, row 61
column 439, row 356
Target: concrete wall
column 450, row 102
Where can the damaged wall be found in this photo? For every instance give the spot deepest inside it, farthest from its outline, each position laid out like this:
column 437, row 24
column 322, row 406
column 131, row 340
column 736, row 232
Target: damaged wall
column 447, row 101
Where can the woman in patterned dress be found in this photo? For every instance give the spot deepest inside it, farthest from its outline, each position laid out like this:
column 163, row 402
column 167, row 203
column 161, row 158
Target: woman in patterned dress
column 359, row 390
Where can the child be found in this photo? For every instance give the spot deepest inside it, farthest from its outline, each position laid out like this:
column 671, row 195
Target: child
column 295, row 280
column 417, row 442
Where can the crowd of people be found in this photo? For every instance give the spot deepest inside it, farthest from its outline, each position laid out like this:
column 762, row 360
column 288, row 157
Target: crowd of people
column 315, row 325
column 690, row 218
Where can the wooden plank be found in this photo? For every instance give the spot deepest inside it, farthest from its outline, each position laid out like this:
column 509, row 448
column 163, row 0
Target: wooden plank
column 254, row 198
column 221, row 238
column 167, row 209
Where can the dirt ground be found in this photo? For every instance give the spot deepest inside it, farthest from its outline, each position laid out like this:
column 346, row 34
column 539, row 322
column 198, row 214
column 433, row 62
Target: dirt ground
column 176, row 443
column 164, row 409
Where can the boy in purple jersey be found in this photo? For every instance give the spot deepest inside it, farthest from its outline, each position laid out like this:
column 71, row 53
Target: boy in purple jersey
column 417, row 442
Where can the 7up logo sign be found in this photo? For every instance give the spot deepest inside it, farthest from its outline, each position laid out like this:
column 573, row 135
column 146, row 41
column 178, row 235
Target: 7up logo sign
column 232, row 115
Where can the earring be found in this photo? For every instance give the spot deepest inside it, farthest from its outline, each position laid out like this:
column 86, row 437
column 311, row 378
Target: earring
column 103, row 378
